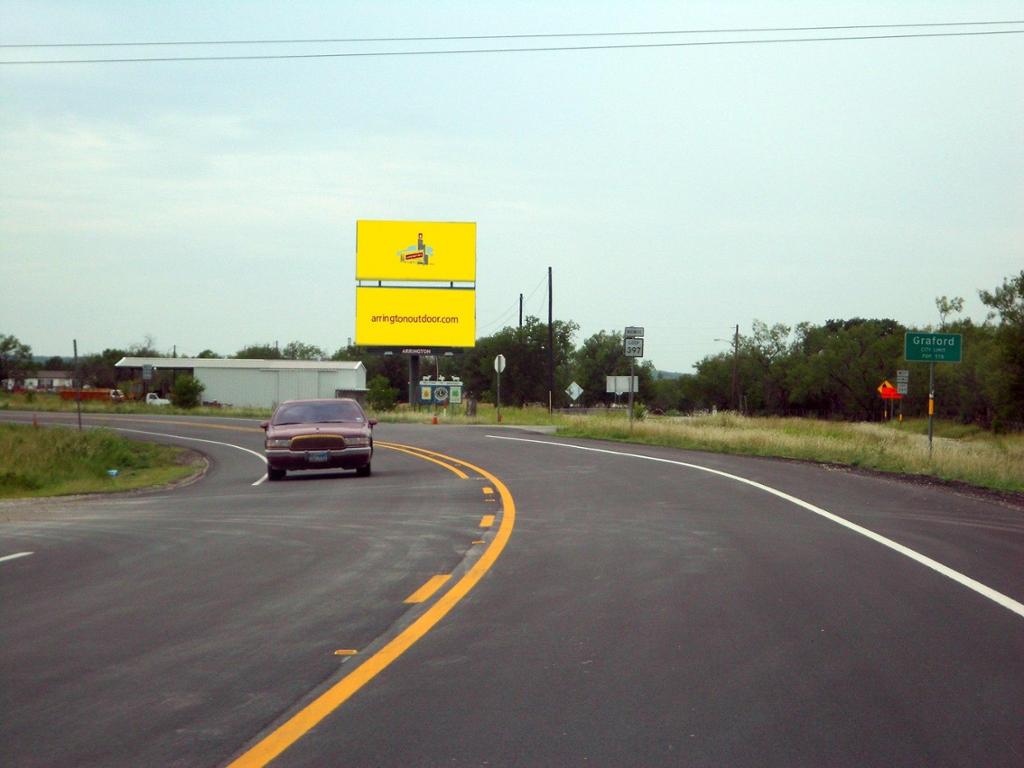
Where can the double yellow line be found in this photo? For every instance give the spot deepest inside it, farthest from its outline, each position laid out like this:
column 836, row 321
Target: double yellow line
column 299, row 724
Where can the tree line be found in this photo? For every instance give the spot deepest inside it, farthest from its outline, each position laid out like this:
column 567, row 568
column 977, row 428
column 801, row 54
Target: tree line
column 830, row 370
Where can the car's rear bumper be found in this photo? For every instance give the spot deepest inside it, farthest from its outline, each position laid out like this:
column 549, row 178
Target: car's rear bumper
column 348, row 458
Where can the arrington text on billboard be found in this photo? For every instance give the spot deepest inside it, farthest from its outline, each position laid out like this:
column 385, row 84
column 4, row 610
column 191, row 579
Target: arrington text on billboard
column 395, row 319
column 414, row 317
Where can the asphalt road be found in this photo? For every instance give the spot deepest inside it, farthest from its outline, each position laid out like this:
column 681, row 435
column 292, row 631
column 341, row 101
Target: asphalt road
column 625, row 607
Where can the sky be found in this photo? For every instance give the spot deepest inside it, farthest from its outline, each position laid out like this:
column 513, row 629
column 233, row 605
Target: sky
column 687, row 190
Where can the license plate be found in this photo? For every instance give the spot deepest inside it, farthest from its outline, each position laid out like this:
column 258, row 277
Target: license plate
column 318, row 457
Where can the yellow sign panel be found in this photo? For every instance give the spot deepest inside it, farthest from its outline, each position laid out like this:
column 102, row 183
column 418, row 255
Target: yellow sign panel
column 442, row 251
column 415, row 317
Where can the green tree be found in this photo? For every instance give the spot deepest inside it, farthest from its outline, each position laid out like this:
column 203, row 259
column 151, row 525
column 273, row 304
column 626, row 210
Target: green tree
column 100, row 370
column 602, row 355
column 187, row 392
column 839, row 366
column 380, row 395
column 207, row 354
column 671, row 394
column 144, row 348
column 55, row 363
column 711, row 387
column 15, row 358
column 394, row 368
column 762, row 376
column 259, row 352
column 296, row 350
column 947, row 307
column 525, row 379
column 1007, row 304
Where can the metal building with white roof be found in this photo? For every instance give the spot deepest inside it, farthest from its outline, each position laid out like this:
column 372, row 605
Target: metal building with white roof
column 261, row 383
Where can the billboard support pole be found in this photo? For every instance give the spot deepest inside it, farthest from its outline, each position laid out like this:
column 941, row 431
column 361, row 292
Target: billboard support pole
column 414, row 381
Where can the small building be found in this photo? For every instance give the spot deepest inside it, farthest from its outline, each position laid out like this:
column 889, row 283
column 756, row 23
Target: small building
column 49, row 380
column 257, row 383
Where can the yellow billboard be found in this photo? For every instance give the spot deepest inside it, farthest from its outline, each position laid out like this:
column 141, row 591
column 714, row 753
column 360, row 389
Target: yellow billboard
column 415, row 317
column 441, row 251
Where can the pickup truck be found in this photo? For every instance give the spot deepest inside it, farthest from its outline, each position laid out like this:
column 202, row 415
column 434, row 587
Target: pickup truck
column 154, row 399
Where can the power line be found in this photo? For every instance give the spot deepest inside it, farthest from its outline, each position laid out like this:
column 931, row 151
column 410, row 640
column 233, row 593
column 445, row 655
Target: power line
column 539, row 35
column 537, row 49
column 507, row 313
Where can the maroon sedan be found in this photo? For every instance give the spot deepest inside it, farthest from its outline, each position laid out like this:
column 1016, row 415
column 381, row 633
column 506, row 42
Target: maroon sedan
column 318, row 434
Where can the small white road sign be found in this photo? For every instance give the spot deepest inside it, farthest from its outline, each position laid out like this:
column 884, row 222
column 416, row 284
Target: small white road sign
column 634, row 347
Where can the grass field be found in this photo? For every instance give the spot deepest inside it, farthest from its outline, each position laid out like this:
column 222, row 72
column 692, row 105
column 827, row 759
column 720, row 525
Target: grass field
column 50, row 403
column 961, row 452
column 979, row 458
column 59, row 461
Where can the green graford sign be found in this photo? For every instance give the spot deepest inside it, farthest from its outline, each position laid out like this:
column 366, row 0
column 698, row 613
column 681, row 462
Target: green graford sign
column 933, row 347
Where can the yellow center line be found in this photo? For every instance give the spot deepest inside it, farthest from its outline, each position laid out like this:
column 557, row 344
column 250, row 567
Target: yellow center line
column 427, row 591
column 420, row 455
column 487, row 521
column 309, row 716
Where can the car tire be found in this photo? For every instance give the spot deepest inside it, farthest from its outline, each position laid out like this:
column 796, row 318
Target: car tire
column 275, row 474
column 363, row 471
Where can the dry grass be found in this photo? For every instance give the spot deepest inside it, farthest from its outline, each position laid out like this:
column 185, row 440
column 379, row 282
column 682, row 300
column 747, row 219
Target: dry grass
column 981, row 459
column 960, row 452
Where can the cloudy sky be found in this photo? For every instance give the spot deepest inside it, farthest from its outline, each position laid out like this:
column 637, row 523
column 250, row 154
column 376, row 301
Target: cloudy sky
column 212, row 204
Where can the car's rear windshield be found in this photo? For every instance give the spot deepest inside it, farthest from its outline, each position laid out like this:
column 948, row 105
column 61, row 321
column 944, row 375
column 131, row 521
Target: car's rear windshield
column 304, row 413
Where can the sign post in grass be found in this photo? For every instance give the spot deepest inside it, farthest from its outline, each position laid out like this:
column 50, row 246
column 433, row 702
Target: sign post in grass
column 932, row 348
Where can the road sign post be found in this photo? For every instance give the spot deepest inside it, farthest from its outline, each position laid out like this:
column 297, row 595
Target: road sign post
column 902, row 387
column 932, row 348
column 633, row 347
column 499, row 366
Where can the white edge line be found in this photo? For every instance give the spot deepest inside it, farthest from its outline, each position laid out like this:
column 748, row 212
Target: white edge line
column 15, row 556
column 259, row 456
column 997, row 597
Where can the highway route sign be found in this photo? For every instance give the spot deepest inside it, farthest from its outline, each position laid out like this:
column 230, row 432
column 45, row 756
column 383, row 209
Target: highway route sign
column 634, row 332
column 633, row 347
column 902, row 381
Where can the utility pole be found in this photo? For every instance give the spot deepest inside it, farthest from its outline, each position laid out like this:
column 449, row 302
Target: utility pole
column 551, row 348
column 78, row 386
column 735, row 369
column 520, row 311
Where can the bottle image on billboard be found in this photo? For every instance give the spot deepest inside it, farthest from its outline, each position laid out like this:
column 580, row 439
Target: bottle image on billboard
column 416, row 254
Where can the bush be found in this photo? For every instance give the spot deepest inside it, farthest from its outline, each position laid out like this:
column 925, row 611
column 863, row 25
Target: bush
column 187, row 392
column 380, row 395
